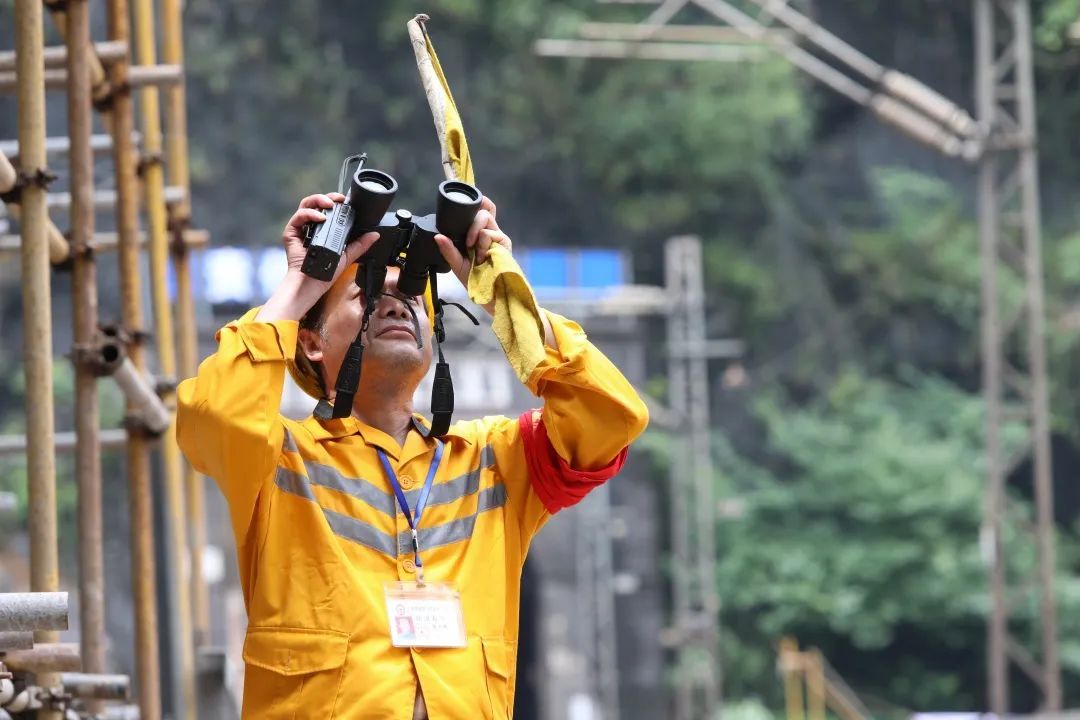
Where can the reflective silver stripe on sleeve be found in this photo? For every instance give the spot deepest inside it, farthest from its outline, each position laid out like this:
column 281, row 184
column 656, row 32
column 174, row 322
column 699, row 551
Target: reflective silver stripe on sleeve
column 289, row 444
column 294, row 483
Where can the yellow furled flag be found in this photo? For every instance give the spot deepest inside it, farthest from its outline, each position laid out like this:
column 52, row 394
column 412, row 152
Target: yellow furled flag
column 499, row 279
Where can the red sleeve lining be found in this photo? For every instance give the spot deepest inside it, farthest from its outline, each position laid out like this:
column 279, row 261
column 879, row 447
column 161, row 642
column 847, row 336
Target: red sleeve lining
column 556, row 483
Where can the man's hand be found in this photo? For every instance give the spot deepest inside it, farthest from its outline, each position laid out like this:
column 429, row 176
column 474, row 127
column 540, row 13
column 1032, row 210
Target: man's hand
column 298, row 292
column 483, row 233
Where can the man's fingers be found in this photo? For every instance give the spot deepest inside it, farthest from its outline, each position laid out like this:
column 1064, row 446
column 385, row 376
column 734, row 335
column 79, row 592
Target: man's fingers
column 483, row 242
column 304, row 216
column 483, row 217
column 488, row 204
column 488, row 238
column 319, row 200
column 449, row 251
column 360, row 246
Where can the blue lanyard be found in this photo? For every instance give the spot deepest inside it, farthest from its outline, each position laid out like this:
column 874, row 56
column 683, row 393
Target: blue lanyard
column 413, row 516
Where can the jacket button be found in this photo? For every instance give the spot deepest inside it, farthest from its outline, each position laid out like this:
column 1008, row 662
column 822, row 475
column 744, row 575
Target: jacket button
column 408, row 565
column 406, row 482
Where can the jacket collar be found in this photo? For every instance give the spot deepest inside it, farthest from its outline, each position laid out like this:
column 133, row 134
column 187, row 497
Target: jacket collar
column 336, row 429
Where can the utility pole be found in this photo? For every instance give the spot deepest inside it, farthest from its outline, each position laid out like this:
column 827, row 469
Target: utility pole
column 1011, row 241
column 595, row 585
column 1002, row 140
column 696, row 628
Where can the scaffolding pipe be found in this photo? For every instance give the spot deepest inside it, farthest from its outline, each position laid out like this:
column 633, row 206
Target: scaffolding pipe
column 105, row 199
column 16, row 640
column 58, row 246
column 57, row 55
column 176, row 548
column 60, row 145
column 127, row 223
column 84, row 298
column 142, row 399
column 114, row 439
column 140, row 76
column 95, row 686
column 180, row 220
column 46, row 661
column 34, row 611
column 176, row 153
column 108, row 241
column 37, row 311
column 101, row 88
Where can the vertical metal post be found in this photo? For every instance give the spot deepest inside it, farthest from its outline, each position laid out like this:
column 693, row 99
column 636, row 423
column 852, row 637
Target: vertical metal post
column 679, row 490
column 997, row 663
column 85, row 316
column 1031, row 221
column 705, row 490
column 176, row 166
column 154, row 186
column 594, row 584
column 607, row 633
column 1010, row 229
column 37, row 311
column 697, row 605
column 127, row 225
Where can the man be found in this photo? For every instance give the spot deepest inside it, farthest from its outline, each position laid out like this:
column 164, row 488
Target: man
column 337, row 521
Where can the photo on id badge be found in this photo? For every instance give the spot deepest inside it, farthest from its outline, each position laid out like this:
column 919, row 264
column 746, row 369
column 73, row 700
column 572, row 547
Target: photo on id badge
column 406, row 631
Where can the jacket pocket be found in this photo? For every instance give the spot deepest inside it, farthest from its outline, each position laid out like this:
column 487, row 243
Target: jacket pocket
column 292, row 672
column 498, row 659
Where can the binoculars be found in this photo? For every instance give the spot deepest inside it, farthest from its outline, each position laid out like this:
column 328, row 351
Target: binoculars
column 405, row 240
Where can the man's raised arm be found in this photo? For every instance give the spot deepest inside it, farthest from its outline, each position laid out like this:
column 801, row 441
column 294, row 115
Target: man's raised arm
column 227, row 421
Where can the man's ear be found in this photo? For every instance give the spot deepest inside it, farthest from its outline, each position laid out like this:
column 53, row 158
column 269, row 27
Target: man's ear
column 311, row 344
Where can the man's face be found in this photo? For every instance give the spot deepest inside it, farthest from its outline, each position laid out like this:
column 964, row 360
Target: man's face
column 390, row 351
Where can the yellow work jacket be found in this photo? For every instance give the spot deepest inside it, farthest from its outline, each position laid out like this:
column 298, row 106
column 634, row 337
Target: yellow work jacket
column 318, row 531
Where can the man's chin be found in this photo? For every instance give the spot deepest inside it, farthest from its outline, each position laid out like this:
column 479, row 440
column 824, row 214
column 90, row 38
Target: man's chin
column 396, row 355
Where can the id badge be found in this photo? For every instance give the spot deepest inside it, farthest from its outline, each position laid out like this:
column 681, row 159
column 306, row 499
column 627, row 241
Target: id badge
column 427, row 615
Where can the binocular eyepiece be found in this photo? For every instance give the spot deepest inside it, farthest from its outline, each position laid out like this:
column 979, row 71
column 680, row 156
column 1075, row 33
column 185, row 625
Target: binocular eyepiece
column 404, row 240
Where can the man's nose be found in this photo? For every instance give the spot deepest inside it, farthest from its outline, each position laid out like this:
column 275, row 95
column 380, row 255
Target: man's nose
column 392, row 305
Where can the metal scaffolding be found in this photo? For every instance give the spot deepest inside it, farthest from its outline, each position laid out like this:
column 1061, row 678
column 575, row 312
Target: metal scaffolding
column 696, row 626
column 1002, row 140
column 100, row 77
column 1014, row 344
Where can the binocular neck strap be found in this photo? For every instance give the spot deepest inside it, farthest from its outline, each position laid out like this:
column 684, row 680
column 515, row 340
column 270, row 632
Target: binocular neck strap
column 442, row 388
column 348, row 379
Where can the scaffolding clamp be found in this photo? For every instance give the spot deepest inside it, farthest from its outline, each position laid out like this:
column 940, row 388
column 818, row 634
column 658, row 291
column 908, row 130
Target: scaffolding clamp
column 104, row 354
column 103, row 101
column 147, row 160
column 39, row 177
